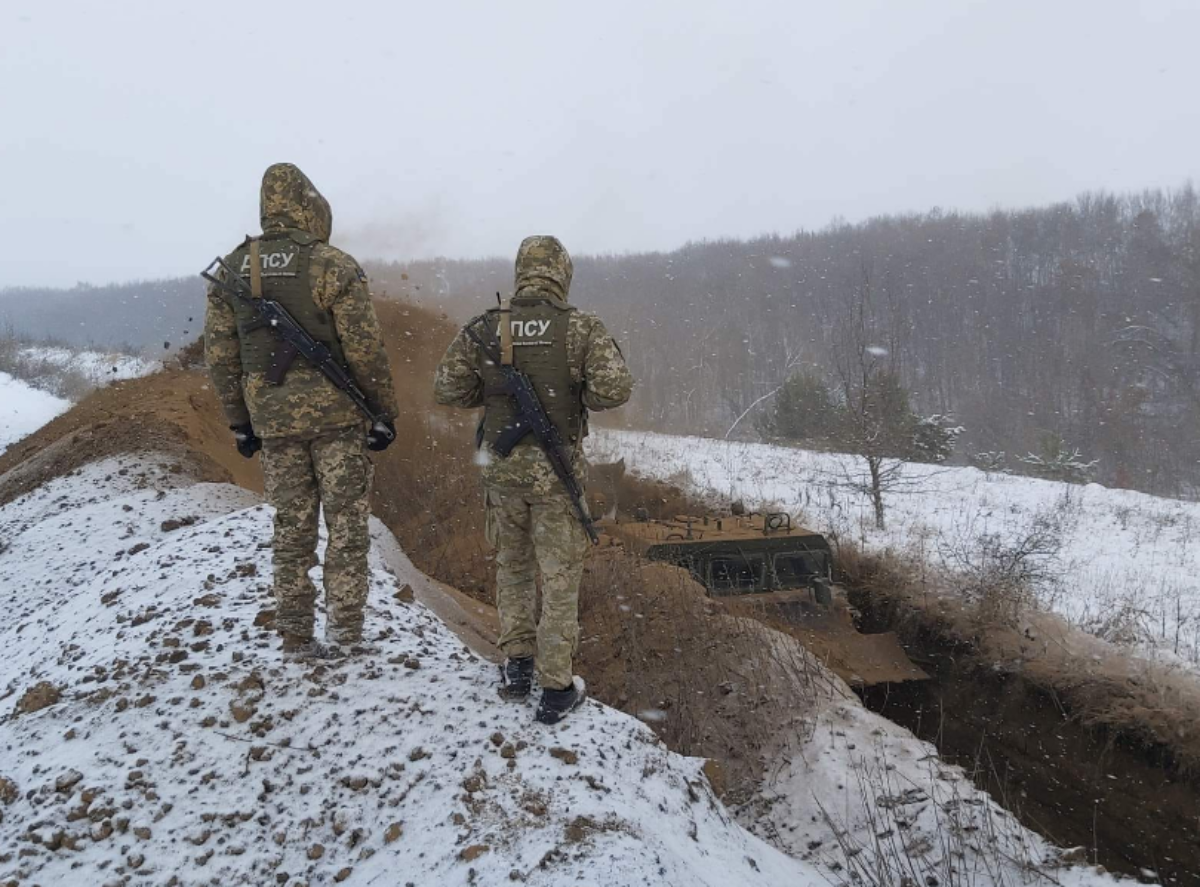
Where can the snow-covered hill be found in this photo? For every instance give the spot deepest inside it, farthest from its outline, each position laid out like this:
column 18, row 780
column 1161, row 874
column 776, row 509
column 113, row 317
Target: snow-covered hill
column 24, row 409
column 1126, row 566
column 157, row 737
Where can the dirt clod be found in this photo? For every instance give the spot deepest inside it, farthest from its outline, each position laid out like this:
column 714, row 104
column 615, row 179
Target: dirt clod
column 472, row 853
column 67, row 781
column 173, row 524
column 41, row 695
column 565, row 755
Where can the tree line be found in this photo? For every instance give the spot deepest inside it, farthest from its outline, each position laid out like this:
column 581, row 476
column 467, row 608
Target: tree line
column 1066, row 329
column 1062, row 335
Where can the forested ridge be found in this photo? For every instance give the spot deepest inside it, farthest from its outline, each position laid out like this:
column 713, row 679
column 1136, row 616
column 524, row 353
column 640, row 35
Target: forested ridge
column 1076, row 323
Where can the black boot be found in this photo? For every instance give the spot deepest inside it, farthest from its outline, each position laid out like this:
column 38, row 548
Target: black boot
column 557, row 704
column 516, row 678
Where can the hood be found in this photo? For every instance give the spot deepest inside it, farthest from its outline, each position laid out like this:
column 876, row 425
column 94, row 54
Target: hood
column 289, row 200
column 543, row 262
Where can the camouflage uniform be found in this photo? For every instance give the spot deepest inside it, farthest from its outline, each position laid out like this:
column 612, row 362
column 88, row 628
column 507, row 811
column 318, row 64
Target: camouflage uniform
column 313, row 437
column 529, row 516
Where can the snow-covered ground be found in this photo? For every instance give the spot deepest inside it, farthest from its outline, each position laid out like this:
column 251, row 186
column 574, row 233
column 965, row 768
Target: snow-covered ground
column 181, row 746
column 1127, row 565
column 98, row 367
column 872, row 805
column 24, row 409
column 156, row 734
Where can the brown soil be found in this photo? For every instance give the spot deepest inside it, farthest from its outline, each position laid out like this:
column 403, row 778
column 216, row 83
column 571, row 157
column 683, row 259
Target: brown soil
column 1081, row 749
column 708, row 683
column 173, row 412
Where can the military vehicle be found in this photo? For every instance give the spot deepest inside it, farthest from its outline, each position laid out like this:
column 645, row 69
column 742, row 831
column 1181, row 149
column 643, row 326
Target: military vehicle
column 736, row 555
column 765, row 566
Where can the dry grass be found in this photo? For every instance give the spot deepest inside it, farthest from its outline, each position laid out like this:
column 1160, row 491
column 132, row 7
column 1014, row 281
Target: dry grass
column 974, row 844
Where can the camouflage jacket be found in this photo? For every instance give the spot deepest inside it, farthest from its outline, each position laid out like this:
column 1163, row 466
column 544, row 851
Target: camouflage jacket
column 306, row 403
column 596, row 364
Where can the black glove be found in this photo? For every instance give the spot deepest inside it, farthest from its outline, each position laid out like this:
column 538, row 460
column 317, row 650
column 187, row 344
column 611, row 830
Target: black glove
column 381, row 435
column 248, row 443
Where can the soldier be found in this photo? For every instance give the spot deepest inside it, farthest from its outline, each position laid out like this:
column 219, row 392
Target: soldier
column 575, row 366
column 310, row 434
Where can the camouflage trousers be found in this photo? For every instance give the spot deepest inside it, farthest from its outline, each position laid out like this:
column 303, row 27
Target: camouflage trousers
column 302, row 475
column 532, row 534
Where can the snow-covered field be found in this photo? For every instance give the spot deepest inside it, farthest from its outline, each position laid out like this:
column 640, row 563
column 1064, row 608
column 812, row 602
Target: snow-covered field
column 158, row 738
column 24, row 409
column 1126, row 565
column 98, row 367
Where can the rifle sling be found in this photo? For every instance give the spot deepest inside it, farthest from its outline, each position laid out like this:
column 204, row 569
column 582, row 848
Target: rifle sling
column 255, row 270
column 506, row 342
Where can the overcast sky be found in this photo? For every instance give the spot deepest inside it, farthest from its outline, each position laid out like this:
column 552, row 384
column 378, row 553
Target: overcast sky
column 134, row 134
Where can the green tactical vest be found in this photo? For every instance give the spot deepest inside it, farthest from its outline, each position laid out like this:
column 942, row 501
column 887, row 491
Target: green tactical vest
column 539, row 327
column 285, row 257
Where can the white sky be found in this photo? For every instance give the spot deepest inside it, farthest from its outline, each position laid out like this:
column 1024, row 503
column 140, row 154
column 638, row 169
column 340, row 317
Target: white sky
column 133, row 134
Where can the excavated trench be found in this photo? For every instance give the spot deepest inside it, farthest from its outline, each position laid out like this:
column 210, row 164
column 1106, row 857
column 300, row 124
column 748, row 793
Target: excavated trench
column 1124, row 799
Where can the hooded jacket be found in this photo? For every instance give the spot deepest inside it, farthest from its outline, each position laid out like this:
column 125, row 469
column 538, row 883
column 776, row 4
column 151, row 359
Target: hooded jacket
column 337, row 304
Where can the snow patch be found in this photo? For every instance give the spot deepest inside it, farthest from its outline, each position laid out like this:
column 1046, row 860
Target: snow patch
column 24, row 409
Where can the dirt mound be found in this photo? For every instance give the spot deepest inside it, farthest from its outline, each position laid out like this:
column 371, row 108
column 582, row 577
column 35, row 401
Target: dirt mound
column 708, row 683
column 175, row 412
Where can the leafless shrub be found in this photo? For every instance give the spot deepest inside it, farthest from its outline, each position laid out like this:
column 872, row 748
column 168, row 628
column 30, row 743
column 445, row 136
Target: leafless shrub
column 1000, row 575
column 931, row 832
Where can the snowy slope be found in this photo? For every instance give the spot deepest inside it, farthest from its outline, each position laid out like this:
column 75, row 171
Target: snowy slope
column 1123, row 554
column 24, row 409
column 174, row 743
column 871, row 804
column 98, row 367
column 182, row 750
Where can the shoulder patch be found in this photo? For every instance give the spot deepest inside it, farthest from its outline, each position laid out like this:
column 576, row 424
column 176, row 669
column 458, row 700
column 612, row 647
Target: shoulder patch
column 362, row 275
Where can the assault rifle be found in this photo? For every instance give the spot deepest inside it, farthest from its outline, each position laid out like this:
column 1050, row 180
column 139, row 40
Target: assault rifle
column 531, row 415
column 294, row 339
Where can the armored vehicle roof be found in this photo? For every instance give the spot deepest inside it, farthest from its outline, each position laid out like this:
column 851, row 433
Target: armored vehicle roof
column 686, row 529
